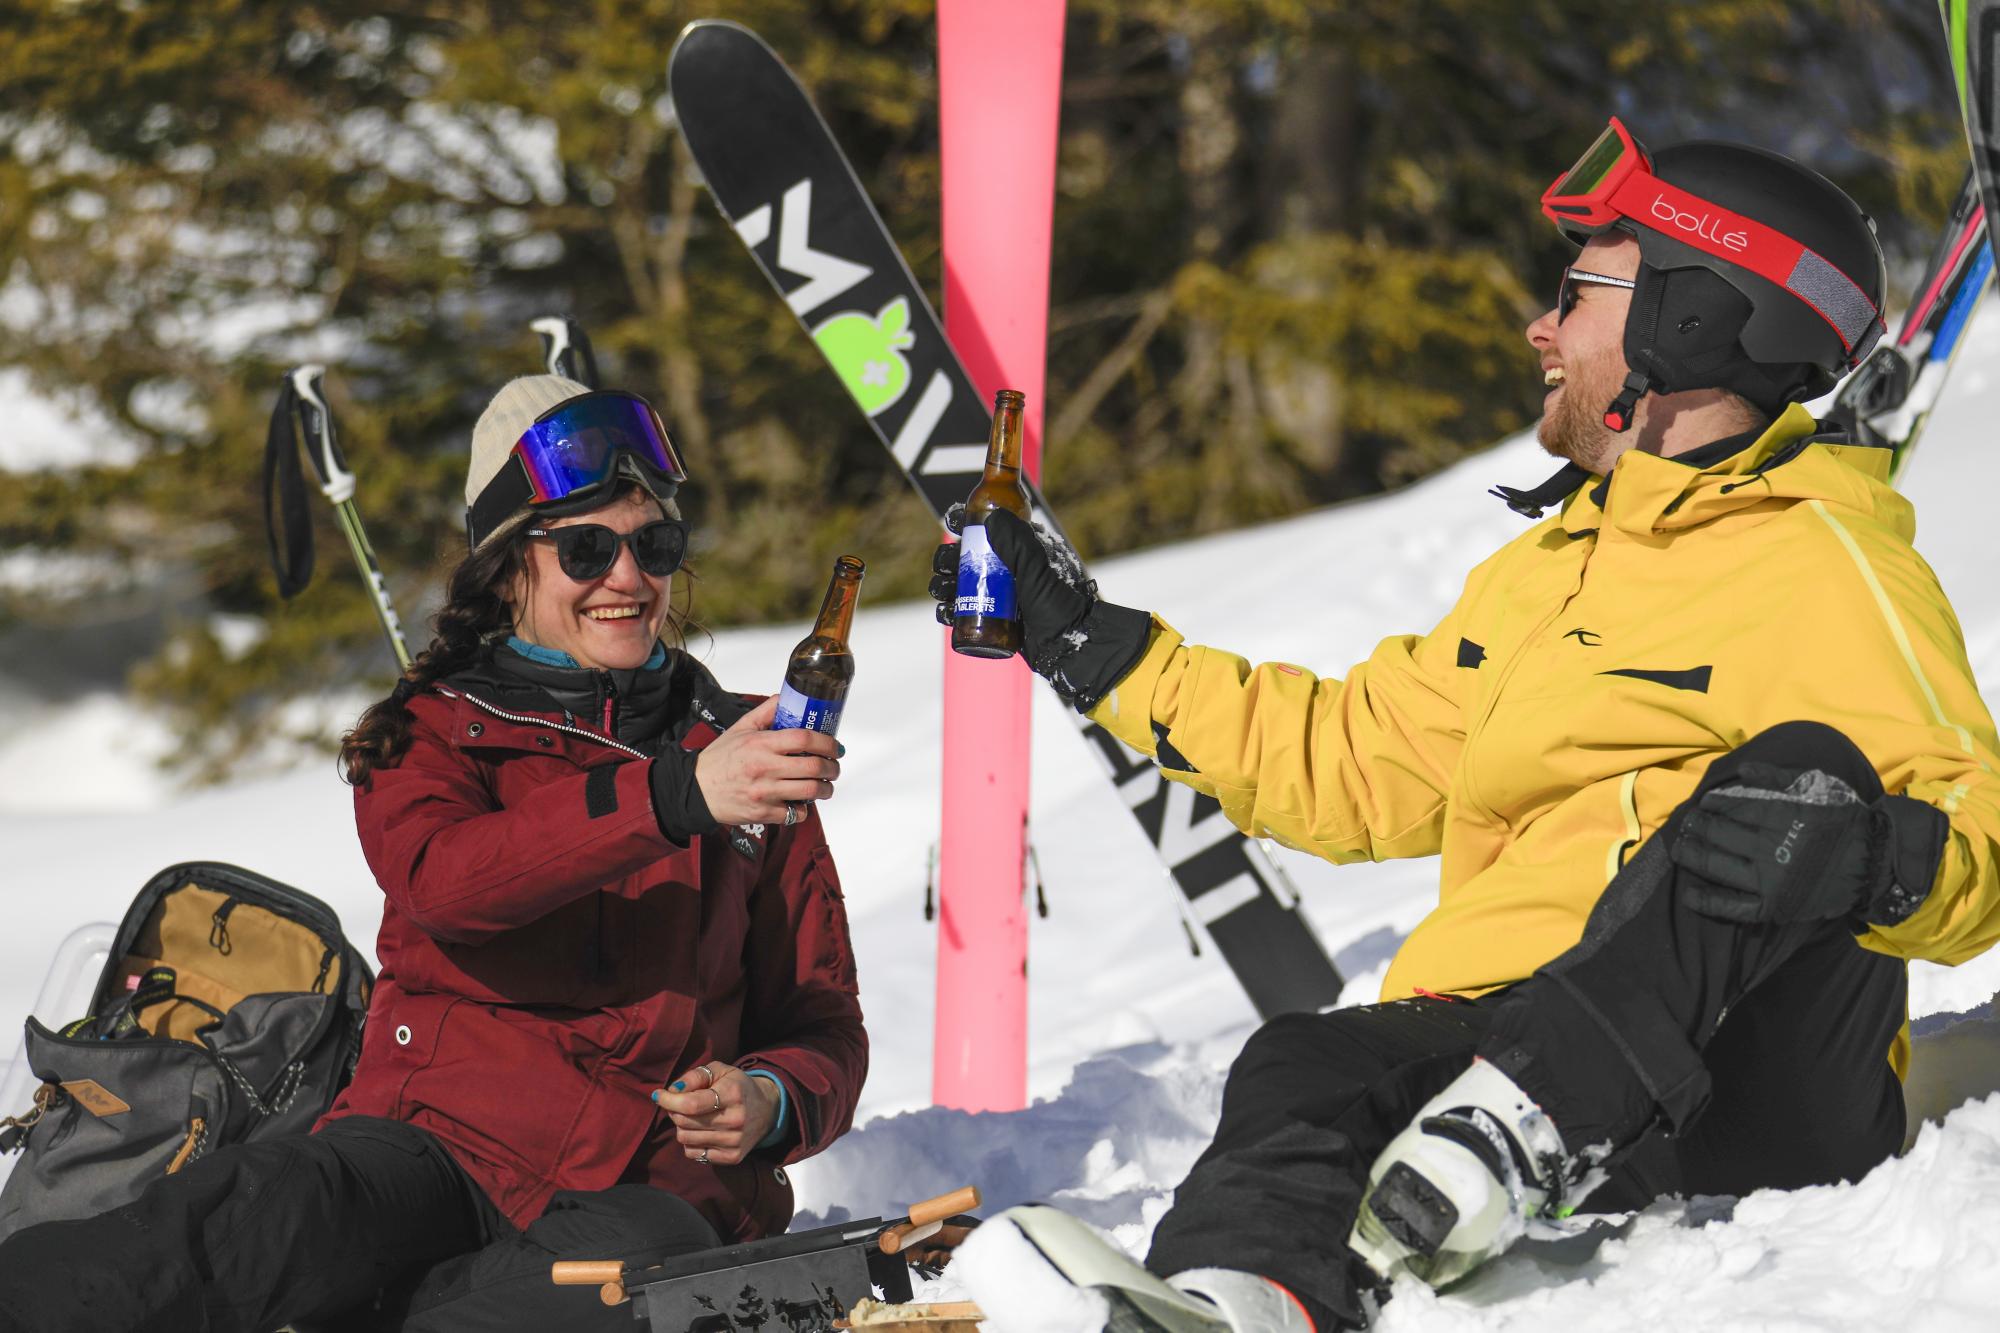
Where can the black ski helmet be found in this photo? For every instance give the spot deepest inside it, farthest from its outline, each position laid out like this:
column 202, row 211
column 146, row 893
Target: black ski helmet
column 1700, row 320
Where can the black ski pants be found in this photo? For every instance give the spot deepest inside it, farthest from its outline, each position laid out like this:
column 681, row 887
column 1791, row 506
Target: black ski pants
column 368, row 1224
column 1622, row 1040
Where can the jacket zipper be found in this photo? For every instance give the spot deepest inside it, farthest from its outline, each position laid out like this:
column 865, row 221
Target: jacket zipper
column 528, row 721
column 1506, row 677
column 596, row 947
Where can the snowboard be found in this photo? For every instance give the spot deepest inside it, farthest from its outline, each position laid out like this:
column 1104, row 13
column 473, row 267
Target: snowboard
column 782, row 183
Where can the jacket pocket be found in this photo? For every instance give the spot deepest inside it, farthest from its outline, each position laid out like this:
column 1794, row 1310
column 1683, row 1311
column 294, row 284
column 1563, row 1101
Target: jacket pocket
column 833, row 954
column 411, row 1034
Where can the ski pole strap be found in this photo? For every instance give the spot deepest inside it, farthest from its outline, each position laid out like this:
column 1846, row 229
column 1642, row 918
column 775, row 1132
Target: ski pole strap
column 287, row 517
column 566, row 350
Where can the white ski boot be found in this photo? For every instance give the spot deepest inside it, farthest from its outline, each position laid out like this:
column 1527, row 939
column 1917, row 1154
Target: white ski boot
column 1458, row 1186
column 1035, row 1269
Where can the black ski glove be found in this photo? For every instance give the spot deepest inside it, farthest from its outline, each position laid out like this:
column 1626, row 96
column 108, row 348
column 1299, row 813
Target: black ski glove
column 1078, row 644
column 1782, row 845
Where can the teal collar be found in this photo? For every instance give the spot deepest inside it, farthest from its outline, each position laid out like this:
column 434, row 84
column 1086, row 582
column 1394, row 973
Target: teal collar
column 555, row 657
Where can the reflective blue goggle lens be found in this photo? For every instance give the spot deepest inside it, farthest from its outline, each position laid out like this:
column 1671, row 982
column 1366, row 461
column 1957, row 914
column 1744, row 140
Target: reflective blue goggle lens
column 576, row 446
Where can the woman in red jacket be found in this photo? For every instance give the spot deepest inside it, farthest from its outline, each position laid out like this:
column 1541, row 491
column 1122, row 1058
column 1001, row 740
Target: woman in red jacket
column 616, row 992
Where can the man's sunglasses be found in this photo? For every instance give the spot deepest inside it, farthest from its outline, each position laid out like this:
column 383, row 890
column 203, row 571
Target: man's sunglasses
column 587, row 551
column 1574, row 278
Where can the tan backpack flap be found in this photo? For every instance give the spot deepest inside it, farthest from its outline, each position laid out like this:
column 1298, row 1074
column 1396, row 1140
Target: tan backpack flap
column 224, row 948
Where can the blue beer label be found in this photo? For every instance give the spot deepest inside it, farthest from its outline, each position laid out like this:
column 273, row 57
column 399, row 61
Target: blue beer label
column 802, row 710
column 985, row 586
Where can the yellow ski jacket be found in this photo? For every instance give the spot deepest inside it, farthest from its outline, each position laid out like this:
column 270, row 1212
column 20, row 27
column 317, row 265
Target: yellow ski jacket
column 1590, row 672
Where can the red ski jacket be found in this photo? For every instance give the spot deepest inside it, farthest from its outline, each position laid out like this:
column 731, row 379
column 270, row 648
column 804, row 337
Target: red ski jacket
column 549, row 957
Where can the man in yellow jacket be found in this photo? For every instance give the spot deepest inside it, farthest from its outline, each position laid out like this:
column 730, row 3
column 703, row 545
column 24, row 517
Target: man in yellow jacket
column 1702, row 745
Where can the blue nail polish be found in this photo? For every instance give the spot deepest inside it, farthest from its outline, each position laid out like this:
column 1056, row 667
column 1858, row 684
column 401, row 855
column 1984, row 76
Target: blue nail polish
column 656, row 1094
column 839, row 750
column 680, row 1087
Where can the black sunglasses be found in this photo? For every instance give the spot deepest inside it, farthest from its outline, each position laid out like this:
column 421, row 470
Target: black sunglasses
column 587, row 550
column 1574, row 278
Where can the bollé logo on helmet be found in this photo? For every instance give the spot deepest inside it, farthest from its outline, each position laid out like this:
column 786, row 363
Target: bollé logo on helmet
column 1703, row 225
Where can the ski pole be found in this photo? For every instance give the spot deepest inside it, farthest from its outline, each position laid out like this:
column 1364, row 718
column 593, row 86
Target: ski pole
column 337, row 484
column 566, row 349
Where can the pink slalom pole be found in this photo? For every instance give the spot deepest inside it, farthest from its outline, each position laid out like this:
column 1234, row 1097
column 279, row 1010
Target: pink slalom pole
column 999, row 95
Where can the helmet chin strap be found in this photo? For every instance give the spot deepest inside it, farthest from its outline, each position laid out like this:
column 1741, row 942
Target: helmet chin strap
column 1618, row 416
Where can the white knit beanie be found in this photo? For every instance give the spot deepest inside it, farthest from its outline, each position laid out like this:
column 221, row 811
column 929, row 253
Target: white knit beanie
column 501, row 426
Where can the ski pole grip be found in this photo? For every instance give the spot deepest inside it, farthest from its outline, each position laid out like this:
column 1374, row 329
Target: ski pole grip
column 588, row 1272
column 944, row 1205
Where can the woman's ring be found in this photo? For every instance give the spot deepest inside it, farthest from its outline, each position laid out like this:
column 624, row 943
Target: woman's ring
column 703, row 1159
column 706, row 1070
column 718, row 1099
column 791, row 813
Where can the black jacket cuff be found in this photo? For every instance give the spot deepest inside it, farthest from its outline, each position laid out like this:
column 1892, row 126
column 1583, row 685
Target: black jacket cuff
column 677, row 800
column 1918, row 831
column 1112, row 640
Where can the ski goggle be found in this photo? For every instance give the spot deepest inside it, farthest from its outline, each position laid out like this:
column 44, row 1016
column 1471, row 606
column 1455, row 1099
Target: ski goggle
column 1574, row 278
column 1613, row 181
column 587, row 551
column 572, row 455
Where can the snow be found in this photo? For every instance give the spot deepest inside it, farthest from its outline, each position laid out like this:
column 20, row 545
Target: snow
column 1129, row 1034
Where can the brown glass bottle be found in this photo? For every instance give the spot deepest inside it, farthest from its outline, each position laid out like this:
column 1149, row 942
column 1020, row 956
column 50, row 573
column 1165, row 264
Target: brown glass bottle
column 985, row 621
column 822, row 666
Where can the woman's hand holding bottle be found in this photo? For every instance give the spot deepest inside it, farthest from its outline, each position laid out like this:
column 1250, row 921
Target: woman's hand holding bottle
column 749, row 775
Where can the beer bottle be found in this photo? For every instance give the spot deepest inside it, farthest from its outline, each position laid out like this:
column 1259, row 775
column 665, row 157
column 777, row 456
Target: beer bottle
column 984, row 621
column 822, row 666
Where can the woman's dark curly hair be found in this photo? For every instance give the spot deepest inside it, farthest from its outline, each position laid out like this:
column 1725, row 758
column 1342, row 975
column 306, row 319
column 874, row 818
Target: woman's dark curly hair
column 475, row 613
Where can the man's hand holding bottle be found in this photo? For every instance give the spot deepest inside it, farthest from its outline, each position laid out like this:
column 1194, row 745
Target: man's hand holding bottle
column 1080, row 644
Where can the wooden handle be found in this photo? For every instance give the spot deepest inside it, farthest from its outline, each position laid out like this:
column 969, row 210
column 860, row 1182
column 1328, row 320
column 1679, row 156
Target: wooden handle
column 587, row 1272
column 944, row 1205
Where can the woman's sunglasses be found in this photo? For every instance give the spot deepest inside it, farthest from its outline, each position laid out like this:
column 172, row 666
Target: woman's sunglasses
column 587, row 550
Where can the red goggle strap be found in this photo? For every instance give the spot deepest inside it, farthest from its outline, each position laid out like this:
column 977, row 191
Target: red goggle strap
column 1747, row 243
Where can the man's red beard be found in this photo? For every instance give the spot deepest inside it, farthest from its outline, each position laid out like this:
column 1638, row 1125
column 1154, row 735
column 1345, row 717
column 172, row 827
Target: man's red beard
column 1575, row 431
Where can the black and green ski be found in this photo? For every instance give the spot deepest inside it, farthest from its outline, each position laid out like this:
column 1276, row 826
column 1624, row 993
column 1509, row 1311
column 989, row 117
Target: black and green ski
column 789, row 193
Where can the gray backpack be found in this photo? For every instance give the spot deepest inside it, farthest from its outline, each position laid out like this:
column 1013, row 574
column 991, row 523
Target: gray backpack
column 229, row 1009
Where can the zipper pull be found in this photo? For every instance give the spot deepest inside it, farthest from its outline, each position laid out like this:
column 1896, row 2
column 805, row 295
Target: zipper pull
column 218, row 932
